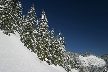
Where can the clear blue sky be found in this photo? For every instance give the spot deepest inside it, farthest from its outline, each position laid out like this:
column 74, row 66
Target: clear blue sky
column 84, row 23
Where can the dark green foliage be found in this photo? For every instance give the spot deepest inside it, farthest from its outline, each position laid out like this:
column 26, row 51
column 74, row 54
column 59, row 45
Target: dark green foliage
column 43, row 38
column 18, row 17
column 7, row 20
column 27, row 34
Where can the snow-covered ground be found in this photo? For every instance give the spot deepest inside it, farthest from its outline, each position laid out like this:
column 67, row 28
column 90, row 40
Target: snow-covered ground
column 14, row 57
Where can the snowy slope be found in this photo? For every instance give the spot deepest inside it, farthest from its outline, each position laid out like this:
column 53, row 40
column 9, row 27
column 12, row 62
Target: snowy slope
column 14, row 57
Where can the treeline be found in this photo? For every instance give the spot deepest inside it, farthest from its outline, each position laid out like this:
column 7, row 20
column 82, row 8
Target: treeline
column 34, row 32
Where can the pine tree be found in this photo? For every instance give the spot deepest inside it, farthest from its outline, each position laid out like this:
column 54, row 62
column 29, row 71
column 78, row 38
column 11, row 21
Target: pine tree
column 27, row 34
column 11, row 15
column 66, row 63
column 56, row 52
column 36, row 35
column 7, row 16
column 2, row 7
column 24, row 30
column 18, row 17
column 2, row 4
column 32, row 20
column 43, row 38
column 60, row 49
column 52, row 47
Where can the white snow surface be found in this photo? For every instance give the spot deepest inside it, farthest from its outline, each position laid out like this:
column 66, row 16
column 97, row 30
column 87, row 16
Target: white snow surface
column 92, row 61
column 14, row 57
column 74, row 70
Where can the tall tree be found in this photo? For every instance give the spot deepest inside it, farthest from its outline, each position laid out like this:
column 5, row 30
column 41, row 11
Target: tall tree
column 43, row 38
column 28, row 30
column 36, row 35
column 2, row 5
column 18, row 16
column 24, row 30
column 7, row 16
column 52, row 47
column 60, row 49
column 11, row 15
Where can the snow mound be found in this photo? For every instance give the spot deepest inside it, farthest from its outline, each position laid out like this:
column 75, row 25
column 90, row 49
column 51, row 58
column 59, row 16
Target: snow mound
column 92, row 61
column 14, row 57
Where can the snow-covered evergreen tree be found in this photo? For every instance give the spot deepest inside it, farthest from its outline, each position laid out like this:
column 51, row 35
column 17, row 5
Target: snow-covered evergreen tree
column 2, row 4
column 72, row 61
column 36, row 35
column 57, row 55
column 18, row 17
column 61, row 41
column 66, row 64
column 43, row 38
column 33, row 21
column 52, row 47
column 24, row 31
column 7, row 16
column 27, row 34
column 59, row 50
